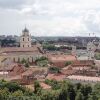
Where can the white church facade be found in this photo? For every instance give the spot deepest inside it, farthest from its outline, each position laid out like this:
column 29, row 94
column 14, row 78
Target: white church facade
column 25, row 39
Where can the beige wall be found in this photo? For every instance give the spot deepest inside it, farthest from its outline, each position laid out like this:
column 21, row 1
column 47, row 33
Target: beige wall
column 11, row 58
column 25, row 41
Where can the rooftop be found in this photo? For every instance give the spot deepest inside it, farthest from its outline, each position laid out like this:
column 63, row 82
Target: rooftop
column 10, row 50
column 58, row 77
column 84, row 78
column 60, row 58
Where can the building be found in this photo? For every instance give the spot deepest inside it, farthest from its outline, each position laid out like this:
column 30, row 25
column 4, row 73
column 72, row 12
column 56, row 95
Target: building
column 12, row 70
column 25, row 39
column 61, row 59
column 25, row 51
column 57, row 77
column 30, row 75
column 73, row 50
column 83, row 79
column 90, row 50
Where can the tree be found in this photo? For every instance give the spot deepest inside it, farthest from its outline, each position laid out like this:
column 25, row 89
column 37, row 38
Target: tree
column 79, row 96
column 68, row 63
column 78, row 86
column 12, row 86
column 27, row 65
column 71, row 91
column 23, row 61
column 42, row 61
column 92, row 97
column 17, row 93
column 86, row 90
column 4, row 94
column 54, row 70
column 37, row 87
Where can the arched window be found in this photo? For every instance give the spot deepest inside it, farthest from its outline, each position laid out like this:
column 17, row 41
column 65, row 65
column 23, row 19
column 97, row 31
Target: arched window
column 32, row 59
column 14, row 59
column 23, row 39
column 28, row 59
column 18, row 59
column 28, row 39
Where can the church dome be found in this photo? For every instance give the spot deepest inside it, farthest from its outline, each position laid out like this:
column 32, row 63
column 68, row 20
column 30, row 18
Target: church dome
column 26, row 30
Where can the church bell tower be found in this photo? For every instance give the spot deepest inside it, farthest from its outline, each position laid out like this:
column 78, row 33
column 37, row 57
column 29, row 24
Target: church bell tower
column 25, row 39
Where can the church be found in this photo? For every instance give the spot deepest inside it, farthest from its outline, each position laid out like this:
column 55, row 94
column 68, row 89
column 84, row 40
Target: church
column 26, row 51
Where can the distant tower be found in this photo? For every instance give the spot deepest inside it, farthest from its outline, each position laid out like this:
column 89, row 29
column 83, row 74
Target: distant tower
column 90, row 50
column 98, row 46
column 73, row 50
column 25, row 39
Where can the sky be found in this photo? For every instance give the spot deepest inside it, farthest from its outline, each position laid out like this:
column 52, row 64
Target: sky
column 50, row 17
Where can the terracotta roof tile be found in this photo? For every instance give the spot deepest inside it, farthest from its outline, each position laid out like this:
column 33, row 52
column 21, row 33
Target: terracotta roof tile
column 58, row 77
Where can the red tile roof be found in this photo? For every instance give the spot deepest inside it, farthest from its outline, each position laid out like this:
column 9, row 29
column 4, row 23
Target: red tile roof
column 18, row 49
column 45, row 86
column 82, row 63
column 61, row 58
column 58, row 77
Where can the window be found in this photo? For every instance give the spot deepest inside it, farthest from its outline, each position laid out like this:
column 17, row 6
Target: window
column 14, row 59
column 28, row 59
column 23, row 45
column 18, row 59
column 28, row 39
column 23, row 39
column 32, row 59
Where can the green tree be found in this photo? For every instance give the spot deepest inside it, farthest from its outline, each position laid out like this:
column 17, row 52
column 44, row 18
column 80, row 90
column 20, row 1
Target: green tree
column 54, row 70
column 4, row 94
column 79, row 96
column 23, row 61
column 27, row 64
column 86, row 90
column 42, row 61
column 71, row 91
column 93, row 97
column 68, row 63
column 12, row 86
column 37, row 87
column 17, row 93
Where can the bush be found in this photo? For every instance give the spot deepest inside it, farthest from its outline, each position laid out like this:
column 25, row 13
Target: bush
column 54, row 70
column 68, row 63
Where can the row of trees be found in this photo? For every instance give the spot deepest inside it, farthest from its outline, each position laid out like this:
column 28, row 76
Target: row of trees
column 52, row 47
column 60, row 91
column 7, row 42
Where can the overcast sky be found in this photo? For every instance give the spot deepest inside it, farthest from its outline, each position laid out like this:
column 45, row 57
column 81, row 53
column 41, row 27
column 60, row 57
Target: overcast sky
column 50, row 17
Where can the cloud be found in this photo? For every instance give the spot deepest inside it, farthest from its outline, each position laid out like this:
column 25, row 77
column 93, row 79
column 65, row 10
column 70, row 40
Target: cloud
column 50, row 17
column 11, row 4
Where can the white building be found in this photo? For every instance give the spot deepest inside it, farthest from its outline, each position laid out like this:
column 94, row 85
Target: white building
column 90, row 50
column 73, row 50
column 25, row 39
